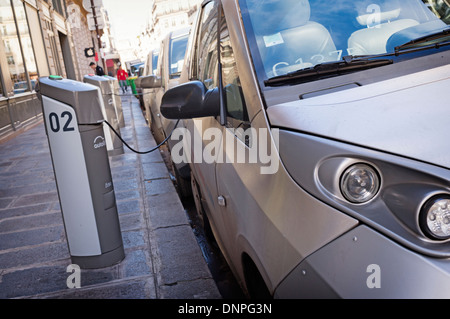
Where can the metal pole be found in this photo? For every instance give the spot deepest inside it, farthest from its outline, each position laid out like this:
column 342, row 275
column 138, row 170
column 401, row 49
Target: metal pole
column 98, row 36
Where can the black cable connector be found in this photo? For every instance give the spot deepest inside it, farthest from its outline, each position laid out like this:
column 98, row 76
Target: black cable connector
column 138, row 152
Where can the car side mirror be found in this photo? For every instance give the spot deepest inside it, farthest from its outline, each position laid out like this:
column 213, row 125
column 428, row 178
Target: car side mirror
column 190, row 100
column 149, row 82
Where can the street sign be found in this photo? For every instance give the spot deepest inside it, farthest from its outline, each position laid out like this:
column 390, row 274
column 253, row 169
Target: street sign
column 87, row 5
column 91, row 21
column 89, row 52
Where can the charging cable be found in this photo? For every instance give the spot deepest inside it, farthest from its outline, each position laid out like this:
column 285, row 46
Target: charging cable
column 138, row 152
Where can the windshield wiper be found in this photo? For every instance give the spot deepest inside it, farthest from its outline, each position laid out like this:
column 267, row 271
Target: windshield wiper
column 346, row 65
column 435, row 40
column 355, row 63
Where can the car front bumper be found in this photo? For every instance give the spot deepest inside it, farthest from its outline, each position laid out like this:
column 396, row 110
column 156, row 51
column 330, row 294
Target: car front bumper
column 363, row 264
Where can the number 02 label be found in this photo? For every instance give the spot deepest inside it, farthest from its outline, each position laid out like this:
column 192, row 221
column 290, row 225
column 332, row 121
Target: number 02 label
column 64, row 120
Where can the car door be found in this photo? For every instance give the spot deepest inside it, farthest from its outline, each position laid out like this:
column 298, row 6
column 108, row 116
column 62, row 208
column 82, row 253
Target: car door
column 232, row 168
column 205, row 143
column 243, row 168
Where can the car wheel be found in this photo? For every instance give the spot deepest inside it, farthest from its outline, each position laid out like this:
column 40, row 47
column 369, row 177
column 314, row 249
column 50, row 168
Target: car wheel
column 184, row 184
column 256, row 287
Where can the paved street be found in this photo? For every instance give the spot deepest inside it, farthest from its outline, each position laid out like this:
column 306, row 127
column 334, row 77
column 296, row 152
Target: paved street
column 162, row 257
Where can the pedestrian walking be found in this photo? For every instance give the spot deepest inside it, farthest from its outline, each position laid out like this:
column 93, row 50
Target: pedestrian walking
column 97, row 69
column 122, row 76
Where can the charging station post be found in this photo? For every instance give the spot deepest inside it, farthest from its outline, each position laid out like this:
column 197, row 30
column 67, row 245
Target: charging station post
column 107, row 103
column 118, row 101
column 74, row 125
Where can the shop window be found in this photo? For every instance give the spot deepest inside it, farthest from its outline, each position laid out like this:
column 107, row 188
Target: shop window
column 25, row 37
column 22, row 67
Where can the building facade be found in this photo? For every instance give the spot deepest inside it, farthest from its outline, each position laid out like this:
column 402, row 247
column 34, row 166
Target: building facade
column 166, row 16
column 40, row 38
column 110, row 54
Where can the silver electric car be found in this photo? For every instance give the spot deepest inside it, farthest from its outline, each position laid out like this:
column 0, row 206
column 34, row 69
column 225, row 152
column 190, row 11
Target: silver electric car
column 317, row 133
column 166, row 75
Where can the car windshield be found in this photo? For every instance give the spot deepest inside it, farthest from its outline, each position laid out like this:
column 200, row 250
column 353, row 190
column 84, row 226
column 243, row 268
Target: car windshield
column 135, row 68
column 291, row 35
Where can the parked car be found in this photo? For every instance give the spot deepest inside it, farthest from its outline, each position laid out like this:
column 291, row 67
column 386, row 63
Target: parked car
column 329, row 171
column 134, row 68
column 139, row 91
column 167, row 75
column 148, row 95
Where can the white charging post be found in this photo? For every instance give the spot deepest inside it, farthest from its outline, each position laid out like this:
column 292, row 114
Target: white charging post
column 74, row 126
column 107, row 104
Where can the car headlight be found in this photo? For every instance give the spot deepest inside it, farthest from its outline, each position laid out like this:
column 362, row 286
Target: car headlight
column 435, row 217
column 360, row 183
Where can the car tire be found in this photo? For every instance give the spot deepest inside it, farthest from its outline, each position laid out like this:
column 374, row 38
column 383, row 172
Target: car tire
column 256, row 287
column 184, row 184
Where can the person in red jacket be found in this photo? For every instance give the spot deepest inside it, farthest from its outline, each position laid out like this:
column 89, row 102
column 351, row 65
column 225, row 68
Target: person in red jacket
column 122, row 76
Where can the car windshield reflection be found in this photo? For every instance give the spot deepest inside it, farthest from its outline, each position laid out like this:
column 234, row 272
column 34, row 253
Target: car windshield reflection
column 291, row 35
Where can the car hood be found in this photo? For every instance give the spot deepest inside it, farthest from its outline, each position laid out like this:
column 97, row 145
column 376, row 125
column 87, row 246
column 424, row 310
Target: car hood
column 408, row 116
